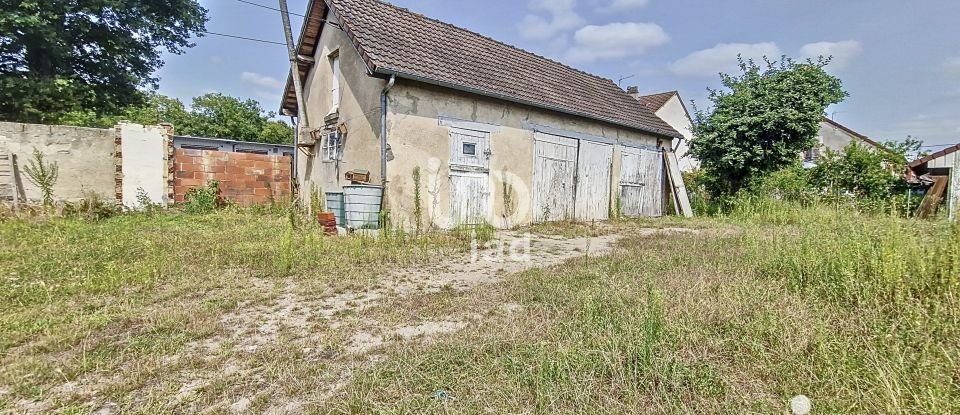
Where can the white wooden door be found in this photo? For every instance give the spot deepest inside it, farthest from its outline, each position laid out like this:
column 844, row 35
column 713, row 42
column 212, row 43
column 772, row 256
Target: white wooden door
column 469, row 150
column 469, row 197
column 554, row 177
column 469, row 176
column 593, row 181
column 641, row 183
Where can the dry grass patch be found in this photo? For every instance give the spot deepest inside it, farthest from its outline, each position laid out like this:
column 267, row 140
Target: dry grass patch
column 131, row 309
column 712, row 322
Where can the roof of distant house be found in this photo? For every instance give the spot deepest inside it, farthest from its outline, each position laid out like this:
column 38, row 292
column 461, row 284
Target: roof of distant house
column 861, row 137
column 395, row 41
column 654, row 102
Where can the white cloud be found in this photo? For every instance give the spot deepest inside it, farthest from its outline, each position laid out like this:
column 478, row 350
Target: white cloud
column 843, row 52
column 261, row 80
column 615, row 40
column 625, row 5
column 952, row 66
column 723, row 58
column 560, row 17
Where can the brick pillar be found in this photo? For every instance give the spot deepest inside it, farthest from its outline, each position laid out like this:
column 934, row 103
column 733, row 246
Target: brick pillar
column 118, row 165
column 170, row 176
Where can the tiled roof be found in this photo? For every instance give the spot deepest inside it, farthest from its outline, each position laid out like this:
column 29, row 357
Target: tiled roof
column 656, row 101
column 396, row 41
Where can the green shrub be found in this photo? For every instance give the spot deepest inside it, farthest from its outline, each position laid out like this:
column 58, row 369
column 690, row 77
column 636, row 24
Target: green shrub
column 93, row 206
column 206, row 199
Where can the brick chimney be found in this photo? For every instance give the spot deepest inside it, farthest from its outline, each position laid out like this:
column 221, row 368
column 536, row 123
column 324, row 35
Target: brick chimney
column 633, row 90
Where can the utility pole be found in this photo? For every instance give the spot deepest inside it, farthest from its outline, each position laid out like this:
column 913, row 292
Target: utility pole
column 302, row 123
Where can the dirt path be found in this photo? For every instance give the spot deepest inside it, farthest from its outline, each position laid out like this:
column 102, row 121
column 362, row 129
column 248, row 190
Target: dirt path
column 328, row 331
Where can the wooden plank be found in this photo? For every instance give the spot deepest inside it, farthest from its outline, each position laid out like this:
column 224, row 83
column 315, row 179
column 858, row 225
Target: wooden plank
column 6, row 177
column 954, row 191
column 469, row 197
column 554, row 177
column 680, row 196
column 594, row 164
column 930, row 203
column 651, row 176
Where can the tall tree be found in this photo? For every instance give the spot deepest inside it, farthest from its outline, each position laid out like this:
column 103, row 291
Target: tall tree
column 212, row 115
column 762, row 121
column 218, row 115
column 58, row 56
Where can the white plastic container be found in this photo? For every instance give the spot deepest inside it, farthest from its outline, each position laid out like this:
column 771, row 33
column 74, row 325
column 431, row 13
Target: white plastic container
column 361, row 205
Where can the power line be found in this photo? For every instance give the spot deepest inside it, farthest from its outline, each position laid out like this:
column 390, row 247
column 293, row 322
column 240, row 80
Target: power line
column 267, row 7
column 244, row 38
column 263, row 6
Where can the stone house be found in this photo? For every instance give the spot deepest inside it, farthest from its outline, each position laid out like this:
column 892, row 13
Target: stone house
column 499, row 135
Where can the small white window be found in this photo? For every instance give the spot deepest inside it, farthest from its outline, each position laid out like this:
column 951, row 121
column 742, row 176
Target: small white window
column 335, row 82
column 469, row 149
column 332, row 146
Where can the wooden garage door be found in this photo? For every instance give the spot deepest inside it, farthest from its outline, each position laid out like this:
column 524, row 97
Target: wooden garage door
column 593, row 181
column 554, row 172
column 641, row 183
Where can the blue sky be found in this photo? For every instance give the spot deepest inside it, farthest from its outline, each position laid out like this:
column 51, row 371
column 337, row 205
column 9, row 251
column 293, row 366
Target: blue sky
column 899, row 60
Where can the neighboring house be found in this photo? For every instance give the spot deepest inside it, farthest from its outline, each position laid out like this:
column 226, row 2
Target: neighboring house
column 937, row 164
column 670, row 108
column 500, row 135
column 835, row 136
column 944, row 166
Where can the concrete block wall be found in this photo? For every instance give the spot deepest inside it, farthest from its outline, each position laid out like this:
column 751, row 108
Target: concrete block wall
column 85, row 157
column 245, row 179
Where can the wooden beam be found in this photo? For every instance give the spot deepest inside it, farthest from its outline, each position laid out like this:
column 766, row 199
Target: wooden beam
column 680, row 196
column 931, row 202
column 954, row 192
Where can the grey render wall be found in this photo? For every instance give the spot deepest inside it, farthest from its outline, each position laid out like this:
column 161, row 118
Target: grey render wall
column 834, row 138
column 84, row 155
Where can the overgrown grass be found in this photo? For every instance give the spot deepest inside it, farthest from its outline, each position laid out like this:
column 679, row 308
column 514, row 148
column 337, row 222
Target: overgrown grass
column 861, row 313
column 79, row 296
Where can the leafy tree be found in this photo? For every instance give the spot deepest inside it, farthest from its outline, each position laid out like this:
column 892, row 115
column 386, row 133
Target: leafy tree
column 218, row 115
column 862, row 172
column 212, row 115
column 762, row 121
column 157, row 109
column 58, row 56
column 276, row 132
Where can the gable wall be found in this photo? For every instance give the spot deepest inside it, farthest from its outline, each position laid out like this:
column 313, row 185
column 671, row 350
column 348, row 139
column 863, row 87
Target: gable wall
column 836, row 139
column 418, row 139
column 674, row 114
column 359, row 111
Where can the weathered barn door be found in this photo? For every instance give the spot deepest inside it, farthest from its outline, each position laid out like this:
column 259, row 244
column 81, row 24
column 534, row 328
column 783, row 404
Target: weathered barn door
column 593, row 181
column 469, row 176
column 641, row 183
column 554, row 177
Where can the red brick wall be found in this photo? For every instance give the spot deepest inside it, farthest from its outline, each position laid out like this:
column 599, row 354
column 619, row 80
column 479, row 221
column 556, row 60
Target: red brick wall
column 245, row 179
